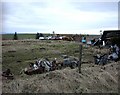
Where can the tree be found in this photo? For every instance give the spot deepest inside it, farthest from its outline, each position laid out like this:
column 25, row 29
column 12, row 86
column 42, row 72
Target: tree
column 41, row 35
column 37, row 36
column 53, row 32
column 100, row 32
column 15, row 36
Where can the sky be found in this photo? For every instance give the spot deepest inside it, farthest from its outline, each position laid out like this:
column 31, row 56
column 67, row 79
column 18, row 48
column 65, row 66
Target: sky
column 61, row 16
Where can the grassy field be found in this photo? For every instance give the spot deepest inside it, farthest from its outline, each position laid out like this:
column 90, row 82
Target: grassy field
column 17, row 54
column 20, row 36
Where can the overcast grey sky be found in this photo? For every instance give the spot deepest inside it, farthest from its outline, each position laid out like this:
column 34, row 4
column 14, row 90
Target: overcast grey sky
column 61, row 16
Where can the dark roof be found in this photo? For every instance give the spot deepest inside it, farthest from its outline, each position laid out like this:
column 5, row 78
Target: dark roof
column 110, row 33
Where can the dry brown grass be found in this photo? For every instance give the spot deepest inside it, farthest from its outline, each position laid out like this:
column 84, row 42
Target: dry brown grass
column 93, row 79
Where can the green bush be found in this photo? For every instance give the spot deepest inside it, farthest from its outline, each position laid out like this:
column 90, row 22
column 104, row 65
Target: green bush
column 15, row 36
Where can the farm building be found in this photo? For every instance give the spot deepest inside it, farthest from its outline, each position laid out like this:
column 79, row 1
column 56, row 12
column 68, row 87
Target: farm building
column 109, row 37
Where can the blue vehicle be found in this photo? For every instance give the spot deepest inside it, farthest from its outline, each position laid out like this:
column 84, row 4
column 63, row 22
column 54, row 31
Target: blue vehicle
column 83, row 39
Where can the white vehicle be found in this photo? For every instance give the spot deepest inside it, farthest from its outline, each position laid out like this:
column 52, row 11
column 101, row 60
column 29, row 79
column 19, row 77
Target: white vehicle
column 42, row 38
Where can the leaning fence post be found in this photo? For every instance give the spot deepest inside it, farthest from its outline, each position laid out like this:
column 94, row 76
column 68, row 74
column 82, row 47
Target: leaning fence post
column 80, row 58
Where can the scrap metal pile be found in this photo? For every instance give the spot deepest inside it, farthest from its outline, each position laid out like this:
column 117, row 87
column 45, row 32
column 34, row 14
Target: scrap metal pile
column 45, row 65
column 113, row 55
column 111, row 40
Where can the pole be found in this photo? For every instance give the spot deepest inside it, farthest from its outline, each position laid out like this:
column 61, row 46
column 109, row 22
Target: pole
column 80, row 58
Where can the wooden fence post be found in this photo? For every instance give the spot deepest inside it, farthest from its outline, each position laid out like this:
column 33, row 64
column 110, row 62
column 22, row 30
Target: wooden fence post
column 80, row 58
